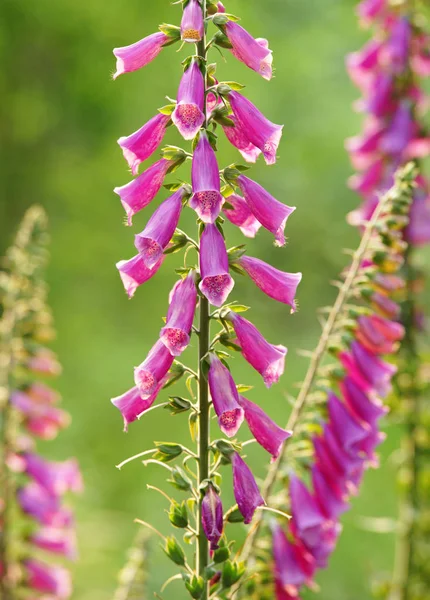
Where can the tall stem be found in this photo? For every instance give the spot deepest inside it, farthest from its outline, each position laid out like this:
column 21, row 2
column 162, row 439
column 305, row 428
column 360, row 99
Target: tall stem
column 317, row 356
column 409, row 391
column 204, row 336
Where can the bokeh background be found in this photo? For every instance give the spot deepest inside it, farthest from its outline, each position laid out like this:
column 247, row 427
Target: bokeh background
column 60, row 117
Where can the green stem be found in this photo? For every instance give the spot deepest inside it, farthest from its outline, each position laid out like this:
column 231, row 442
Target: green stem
column 202, row 559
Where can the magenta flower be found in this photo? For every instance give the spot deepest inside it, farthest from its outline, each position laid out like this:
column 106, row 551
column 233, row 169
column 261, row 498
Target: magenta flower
column 149, row 374
column 132, row 405
column 388, row 307
column 56, row 477
column 48, row 579
column 347, row 429
column 188, row 115
column 380, row 102
column 245, row 489
column 379, row 335
column 400, row 131
column 418, row 230
column 267, row 359
column 240, row 215
column 134, row 272
column 368, row 10
column 153, row 240
column 192, row 25
column 305, row 511
column 212, row 516
column 56, row 540
column 266, row 432
column 237, row 137
column 44, row 362
column 266, row 209
column 329, row 497
column 141, row 191
column 138, row 55
column 140, row 145
column 225, row 397
column 255, row 54
column 175, row 335
column 294, row 566
column 367, row 409
column 276, row 284
column 40, row 505
column 216, row 283
column 261, row 132
column 206, row 199
column 376, row 371
column 361, row 65
column 43, row 420
column 398, row 45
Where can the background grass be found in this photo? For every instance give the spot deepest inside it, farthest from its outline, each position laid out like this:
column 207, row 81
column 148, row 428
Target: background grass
column 60, row 116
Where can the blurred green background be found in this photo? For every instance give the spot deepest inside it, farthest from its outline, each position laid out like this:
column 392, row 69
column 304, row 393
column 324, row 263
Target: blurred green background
column 60, row 117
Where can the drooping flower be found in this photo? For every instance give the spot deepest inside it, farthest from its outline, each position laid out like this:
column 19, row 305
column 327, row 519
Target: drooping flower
column 237, row 137
column 225, row 397
column 150, row 373
column 367, row 409
column 188, row 115
column 153, row 240
column 379, row 335
column 254, row 53
column 329, row 497
column 141, row 191
column 216, row 283
column 48, row 579
column 398, row 45
column 56, row 477
column 192, row 25
column 240, row 215
column 206, row 199
column 175, row 335
column 276, row 284
column 37, row 502
column 245, row 488
column 261, row 132
column 138, row 55
column 141, row 144
column 212, row 516
column 134, row 272
column 132, row 405
column 271, row 213
column 376, row 371
column 294, row 566
column 267, row 433
column 267, row 359
column 56, row 540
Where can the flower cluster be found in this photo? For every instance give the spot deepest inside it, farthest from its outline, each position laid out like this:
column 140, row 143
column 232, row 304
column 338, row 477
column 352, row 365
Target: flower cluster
column 32, row 486
column 350, row 430
column 202, row 102
column 388, row 72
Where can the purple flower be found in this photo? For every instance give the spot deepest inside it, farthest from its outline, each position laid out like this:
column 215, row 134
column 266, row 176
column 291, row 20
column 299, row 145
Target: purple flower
column 398, row 45
column 418, row 230
column 138, row 55
column 192, row 25
column 245, row 489
column 377, row 372
column 294, row 566
column 140, row 145
column 132, row 405
column 255, row 54
column 188, row 115
column 381, row 96
column 237, row 137
column 159, row 230
column 276, row 284
column 307, row 516
column 134, row 272
column 379, row 335
column 400, row 131
column 216, row 283
column 37, row 502
column 241, row 216
column 56, row 477
column 267, row 359
column 368, row 10
column 225, row 397
column 48, row 579
column 364, row 407
column 266, row 209
column 328, row 495
column 56, row 540
column 260, row 131
column 138, row 193
column 348, row 430
column 212, row 516
column 175, row 335
column 149, row 374
column 266, row 432
column 206, row 199
column 388, row 307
